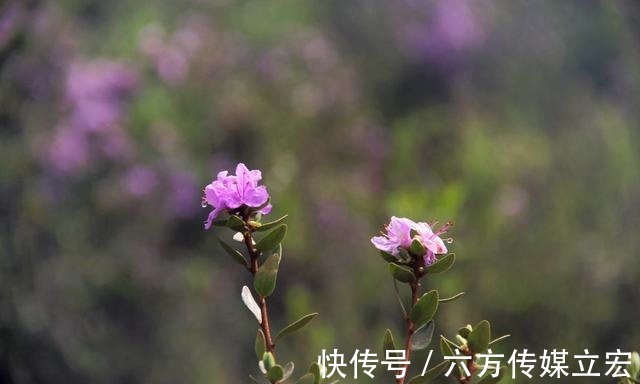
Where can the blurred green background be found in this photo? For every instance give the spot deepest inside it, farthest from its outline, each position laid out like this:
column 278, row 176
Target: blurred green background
column 518, row 120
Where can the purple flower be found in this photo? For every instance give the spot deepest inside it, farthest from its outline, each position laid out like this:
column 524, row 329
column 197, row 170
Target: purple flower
column 140, row 181
column 230, row 192
column 398, row 236
column 431, row 241
column 400, row 233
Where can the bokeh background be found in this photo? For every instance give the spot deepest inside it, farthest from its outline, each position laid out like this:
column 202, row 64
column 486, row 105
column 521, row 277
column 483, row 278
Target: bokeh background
column 518, row 120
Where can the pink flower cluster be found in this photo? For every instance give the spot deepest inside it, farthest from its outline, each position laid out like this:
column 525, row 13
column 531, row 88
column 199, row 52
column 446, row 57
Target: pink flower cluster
column 400, row 233
column 230, row 192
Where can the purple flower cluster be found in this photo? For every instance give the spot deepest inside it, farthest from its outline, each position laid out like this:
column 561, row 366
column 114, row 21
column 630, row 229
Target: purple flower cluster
column 95, row 92
column 231, row 192
column 400, row 233
column 441, row 31
column 172, row 55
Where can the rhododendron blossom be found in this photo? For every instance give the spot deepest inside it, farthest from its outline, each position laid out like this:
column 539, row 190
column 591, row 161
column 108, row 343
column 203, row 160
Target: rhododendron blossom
column 398, row 236
column 431, row 241
column 400, row 232
column 231, row 192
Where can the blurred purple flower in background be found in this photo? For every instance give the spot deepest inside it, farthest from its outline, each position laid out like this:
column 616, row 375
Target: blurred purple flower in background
column 95, row 92
column 11, row 17
column 140, row 181
column 172, row 56
column 182, row 194
column 229, row 192
column 442, row 32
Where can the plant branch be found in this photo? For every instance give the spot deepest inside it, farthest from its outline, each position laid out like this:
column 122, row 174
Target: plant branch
column 254, row 254
column 410, row 328
column 471, row 366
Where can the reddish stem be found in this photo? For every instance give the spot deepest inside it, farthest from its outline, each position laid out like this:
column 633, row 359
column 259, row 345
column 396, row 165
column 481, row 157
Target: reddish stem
column 410, row 329
column 262, row 303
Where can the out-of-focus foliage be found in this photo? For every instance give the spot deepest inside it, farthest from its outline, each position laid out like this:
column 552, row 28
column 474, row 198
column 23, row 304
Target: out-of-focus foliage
column 516, row 119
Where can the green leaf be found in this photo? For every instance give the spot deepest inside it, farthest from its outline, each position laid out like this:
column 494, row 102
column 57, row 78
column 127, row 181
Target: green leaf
column 499, row 339
column 480, row 337
column 250, row 302
column 397, row 292
column 296, row 325
column 442, row 265
column 493, row 380
column 446, row 350
column 260, row 344
column 634, row 369
column 271, row 224
column 431, row 374
column 465, row 331
column 402, row 273
column 234, row 253
column 425, row 309
column 314, row 369
column 268, row 360
column 416, row 248
column 288, row 370
column 387, row 257
column 422, row 337
column 219, row 223
column 452, row 298
column 235, row 222
column 306, row 379
column 265, row 279
column 276, row 373
column 272, row 239
column 388, row 344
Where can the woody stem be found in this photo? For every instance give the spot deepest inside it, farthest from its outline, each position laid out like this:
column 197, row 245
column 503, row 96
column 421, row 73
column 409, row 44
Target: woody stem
column 410, row 329
column 262, row 302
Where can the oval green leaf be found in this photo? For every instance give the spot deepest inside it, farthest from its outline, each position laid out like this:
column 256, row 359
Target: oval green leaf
column 265, row 279
column 445, row 349
column 417, row 249
column 387, row 257
column 296, row 325
column 465, row 331
column 271, row 224
column 268, row 360
column 272, row 239
column 234, row 253
column 402, row 273
column 425, row 309
column 275, row 374
column 235, row 222
column 260, row 344
column 442, row 265
column 314, row 369
column 422, row 337
column 388, row 344
column 480, row 337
